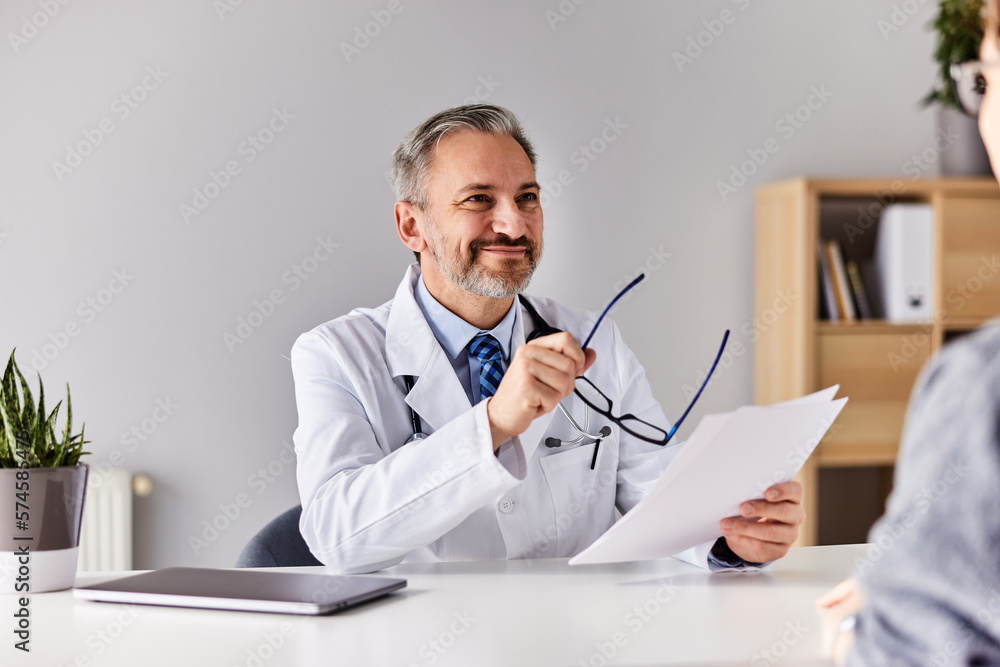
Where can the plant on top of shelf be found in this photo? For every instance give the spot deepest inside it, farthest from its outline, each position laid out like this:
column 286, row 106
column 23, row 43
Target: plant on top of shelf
column 959, row 27
column 27, row 435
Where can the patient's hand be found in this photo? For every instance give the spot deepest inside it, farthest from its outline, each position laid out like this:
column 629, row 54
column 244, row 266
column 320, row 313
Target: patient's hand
column 834, row 606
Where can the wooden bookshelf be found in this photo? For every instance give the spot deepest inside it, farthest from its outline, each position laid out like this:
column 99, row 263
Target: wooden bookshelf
column 875, row 362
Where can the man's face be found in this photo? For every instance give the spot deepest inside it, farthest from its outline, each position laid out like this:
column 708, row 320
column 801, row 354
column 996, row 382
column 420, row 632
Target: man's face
column 483, row 222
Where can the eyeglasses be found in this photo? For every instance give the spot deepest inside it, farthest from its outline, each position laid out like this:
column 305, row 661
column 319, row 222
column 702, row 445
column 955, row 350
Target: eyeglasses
column 600, row 403
column 969, row 84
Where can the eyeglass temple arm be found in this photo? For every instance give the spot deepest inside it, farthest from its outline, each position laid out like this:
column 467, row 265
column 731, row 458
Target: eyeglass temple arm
column 632, row 284
column 673, row 429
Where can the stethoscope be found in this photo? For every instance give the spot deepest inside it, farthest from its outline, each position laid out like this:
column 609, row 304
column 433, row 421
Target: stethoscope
column 542, row 328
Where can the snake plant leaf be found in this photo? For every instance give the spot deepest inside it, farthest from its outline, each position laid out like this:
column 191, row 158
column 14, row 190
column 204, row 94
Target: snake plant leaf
column 32, row 460
column 8, row 394
column 8, row 443
column 28, row 410
column 7, row 384
column 50, row 452
column 40, row 413
column 37, row 432
column 28, row 434
column 83, row 441
column 69, row 418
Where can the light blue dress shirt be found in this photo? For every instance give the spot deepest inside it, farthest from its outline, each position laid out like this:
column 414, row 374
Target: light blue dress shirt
column 454, row 334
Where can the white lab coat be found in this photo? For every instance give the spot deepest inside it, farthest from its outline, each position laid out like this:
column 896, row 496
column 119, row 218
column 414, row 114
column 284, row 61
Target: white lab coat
column 370, row 500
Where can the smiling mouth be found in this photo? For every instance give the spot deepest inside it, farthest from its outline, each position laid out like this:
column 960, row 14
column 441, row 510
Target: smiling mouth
column 506, row 251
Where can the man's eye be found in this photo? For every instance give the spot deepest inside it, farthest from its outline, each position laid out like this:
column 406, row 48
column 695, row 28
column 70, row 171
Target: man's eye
column 477, row 199
column 530, row 196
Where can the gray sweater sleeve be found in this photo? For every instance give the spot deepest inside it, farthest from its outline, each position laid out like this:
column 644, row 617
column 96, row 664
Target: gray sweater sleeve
column 931, row 575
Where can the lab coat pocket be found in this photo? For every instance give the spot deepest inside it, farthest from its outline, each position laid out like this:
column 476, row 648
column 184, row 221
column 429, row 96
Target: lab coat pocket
column 583, row 499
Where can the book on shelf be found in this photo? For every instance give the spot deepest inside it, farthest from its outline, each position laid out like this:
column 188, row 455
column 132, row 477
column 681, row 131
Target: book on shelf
column 828, row 298
column 858, row 288
column 838, row 274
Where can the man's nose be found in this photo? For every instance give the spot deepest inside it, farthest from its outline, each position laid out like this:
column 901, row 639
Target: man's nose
column 509, row 219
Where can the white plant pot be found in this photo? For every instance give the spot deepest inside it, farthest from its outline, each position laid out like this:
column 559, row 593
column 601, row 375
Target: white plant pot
column 40, row 514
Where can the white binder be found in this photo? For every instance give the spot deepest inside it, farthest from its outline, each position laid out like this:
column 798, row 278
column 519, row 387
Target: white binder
column 903, row 261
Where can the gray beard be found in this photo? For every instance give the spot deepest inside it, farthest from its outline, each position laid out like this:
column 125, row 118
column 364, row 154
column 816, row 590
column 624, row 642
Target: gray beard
column 474, row 278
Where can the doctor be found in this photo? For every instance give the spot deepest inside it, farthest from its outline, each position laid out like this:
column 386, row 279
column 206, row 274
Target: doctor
column 426, row 424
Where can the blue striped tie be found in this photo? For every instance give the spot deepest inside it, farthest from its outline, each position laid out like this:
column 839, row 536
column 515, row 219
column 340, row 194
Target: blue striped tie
column 486, row 348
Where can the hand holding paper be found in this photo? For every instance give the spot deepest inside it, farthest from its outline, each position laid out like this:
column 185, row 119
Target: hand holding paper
column 767, row 526
column 729, row 458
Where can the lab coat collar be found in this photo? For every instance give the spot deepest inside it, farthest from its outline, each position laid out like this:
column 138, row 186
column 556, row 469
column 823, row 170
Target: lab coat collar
column 411, row 349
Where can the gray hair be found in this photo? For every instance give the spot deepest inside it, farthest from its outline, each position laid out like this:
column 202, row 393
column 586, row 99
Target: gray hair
column 412, row 157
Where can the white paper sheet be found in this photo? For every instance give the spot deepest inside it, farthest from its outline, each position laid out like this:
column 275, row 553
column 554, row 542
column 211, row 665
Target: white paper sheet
column 728, row 459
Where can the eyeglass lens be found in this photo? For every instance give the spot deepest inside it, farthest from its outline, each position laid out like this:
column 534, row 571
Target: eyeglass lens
column 969, row 86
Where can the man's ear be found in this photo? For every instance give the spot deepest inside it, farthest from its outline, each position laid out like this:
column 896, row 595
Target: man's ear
column 406, row 226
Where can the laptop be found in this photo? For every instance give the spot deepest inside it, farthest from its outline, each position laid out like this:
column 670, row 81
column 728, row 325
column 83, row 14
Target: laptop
column 243, row 590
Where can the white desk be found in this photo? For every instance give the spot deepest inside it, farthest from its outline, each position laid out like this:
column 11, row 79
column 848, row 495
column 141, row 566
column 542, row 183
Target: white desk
column 517, row 613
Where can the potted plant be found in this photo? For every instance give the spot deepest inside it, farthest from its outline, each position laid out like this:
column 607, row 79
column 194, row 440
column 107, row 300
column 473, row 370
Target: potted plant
column 959, row 28
column 42, row 486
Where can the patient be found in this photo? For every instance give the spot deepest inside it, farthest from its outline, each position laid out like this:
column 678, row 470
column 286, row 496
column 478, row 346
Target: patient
column 928, row 590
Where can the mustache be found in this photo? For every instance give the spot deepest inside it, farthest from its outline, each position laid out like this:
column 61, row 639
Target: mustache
column 503, row 240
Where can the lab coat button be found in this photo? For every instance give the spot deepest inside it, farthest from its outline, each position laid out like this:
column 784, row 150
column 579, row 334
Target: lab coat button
column 506, row 505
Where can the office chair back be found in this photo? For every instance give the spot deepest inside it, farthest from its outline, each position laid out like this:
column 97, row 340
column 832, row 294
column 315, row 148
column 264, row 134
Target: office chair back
column 278, row 544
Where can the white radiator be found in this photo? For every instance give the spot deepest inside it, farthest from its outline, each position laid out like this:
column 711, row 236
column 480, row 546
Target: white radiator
column 106, row 533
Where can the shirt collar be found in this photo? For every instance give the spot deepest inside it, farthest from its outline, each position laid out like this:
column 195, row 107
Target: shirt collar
column 454, row 333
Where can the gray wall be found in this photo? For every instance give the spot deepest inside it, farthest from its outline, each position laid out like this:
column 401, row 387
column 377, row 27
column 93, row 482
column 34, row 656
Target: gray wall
column 651, row 197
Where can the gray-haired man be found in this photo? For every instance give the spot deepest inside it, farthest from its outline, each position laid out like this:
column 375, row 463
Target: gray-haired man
column 448, row 358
